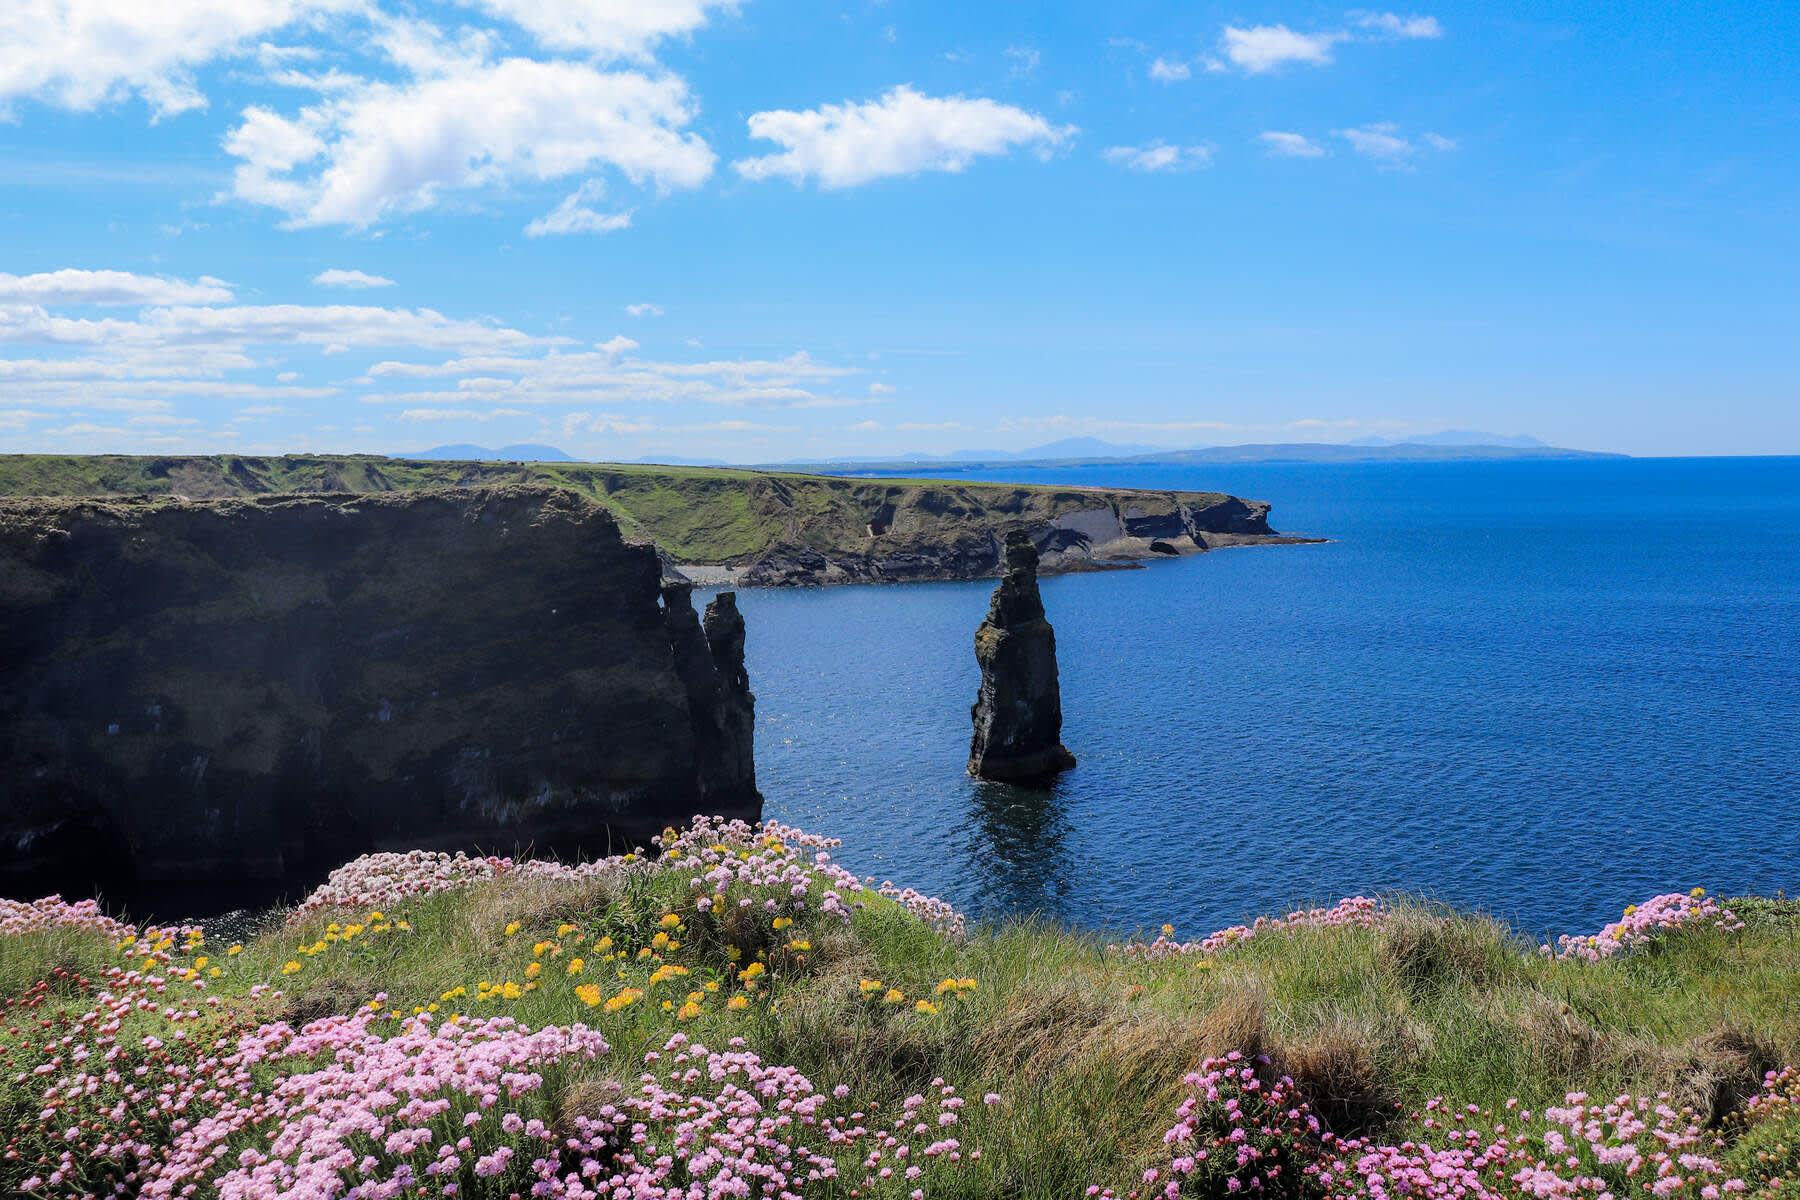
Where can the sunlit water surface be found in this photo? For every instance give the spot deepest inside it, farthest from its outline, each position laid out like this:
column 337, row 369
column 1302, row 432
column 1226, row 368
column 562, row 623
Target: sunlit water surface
column 1547, row 689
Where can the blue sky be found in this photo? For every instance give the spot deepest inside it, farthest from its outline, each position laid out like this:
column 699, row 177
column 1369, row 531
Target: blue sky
column 782, row 228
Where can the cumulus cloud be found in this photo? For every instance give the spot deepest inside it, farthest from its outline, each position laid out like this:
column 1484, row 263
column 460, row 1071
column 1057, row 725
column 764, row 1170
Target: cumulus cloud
column 903, row 133
column 609, row 28
column 1170, row 70
column 152, row 367
column 1289, row 145
column 1266, row 47
column 1383, row 142
column 351, row 279
column 80, row 54
column 644, row 310
column 1159, row 156
column 70, row 286
column 1259, row 48
column 1394, row 25
column 398, row 148
column 574, row 215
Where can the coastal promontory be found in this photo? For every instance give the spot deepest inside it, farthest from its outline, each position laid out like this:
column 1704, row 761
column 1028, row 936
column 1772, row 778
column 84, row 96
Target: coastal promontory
column 725, row 526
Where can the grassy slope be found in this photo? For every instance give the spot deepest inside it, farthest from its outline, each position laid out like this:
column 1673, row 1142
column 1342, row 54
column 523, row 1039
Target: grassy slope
column 696, row 514
column 1089, row 1048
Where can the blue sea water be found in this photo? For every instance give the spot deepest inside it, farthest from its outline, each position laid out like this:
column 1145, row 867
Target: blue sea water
column 1547, row 689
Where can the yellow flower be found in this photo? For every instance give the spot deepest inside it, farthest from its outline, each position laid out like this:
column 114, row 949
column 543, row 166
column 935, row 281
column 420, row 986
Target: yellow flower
column 643, row 953
column 574, row 967
column 712, row 985
column 668, row 1006
column 968, row 985
column 201, row 961
column 1168, row 931
column 603, row 945
column 511, row 990
column 895, row 996
column 406, row 925
column 588, row 994
column 738, row 1003
column 289, row 967
column 751, row 971
column 799, row 944
column 665, row 972
column 688, row 1012
column 375, row 916
column 212, row 972
column 512, row 929
column 948, row 985
column 870, row 986
column 783, row 922
column 660, row 941
column 1697, row 893
column 564, row 930
column 1630, row 908
column 624, row 999
column 925, row 1006
column 670, row 921
column 531, row 972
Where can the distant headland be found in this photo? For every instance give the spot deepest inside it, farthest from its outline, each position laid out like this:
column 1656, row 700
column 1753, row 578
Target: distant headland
column 730, row 526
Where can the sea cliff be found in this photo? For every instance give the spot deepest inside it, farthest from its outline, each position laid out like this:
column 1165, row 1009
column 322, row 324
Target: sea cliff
column 726, row 526
column 250, row 691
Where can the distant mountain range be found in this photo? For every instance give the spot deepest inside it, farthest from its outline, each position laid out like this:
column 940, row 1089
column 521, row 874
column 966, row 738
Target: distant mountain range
column 465, row 452
column 1451, row 445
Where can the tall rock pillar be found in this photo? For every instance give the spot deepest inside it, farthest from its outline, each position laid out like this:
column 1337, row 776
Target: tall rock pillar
column 1018, row 712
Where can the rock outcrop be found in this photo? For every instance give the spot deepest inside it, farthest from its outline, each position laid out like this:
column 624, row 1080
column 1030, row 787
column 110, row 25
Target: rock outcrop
column 256, row 690
column 1018, row 712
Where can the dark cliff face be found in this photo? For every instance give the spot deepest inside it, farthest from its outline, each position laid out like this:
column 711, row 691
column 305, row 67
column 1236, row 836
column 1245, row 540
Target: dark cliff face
column 257, row 690
column 1018, row 712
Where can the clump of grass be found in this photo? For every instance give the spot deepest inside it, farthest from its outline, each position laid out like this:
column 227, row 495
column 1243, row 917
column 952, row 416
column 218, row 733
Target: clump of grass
column 1087, row 1050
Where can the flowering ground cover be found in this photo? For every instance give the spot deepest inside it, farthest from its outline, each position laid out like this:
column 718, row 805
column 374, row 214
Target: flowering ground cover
column 736, row 1015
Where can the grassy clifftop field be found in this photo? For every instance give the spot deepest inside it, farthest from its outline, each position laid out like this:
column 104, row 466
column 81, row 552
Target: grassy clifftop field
column 740, row 1017
column 694, row 514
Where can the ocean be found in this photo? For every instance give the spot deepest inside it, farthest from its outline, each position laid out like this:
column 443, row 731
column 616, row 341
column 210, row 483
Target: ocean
column 1544, row 689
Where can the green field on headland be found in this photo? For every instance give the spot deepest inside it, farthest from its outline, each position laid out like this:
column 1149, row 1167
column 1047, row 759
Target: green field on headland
column 694, row 514
column 740, row 1012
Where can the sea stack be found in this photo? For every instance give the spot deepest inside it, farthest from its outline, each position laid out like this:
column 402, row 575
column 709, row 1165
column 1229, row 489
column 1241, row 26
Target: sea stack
column 1018, row 712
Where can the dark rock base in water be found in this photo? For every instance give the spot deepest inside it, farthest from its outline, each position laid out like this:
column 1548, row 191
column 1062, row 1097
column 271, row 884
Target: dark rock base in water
column 1018, row 712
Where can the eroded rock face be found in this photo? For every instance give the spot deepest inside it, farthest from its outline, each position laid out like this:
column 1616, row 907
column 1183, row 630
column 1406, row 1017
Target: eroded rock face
column 257, row 690
column 1018, row 712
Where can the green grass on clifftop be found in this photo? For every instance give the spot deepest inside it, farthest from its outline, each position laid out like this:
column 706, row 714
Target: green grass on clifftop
column 695, row 514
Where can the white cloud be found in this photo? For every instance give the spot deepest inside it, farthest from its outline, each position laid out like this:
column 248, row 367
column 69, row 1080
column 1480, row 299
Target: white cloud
column 397, row 148
column 80, row 54
column 1289, row 145
column 1266, row 47
column 1025, row 59
column 1394, row 25
column 903, row 133
column 1262, row 48
column 1170, row 70
column 574, row 216
column 460, row 414
column 610, row 28
column 1159, row 156
column 351, row 279
column 644, row 310
column 881, row 389
column 1380, row 141
column 1384, row 142
column 70, row 286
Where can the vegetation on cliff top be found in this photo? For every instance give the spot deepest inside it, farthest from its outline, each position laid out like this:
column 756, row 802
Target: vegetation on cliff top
column 695, row 514
column 741, row 1017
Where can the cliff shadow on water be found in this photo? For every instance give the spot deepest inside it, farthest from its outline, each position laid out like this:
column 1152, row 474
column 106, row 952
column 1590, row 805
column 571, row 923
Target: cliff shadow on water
column 210, row 705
